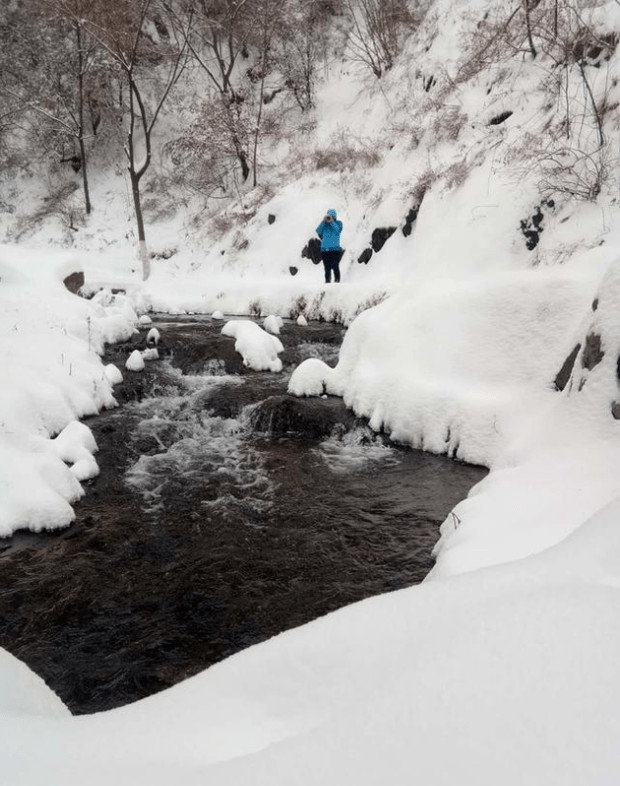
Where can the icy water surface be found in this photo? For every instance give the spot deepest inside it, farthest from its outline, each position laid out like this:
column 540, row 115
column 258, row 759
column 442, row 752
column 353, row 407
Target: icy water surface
column 226, row 512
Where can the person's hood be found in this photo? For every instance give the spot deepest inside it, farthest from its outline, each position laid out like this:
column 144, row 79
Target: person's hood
column 331, row 212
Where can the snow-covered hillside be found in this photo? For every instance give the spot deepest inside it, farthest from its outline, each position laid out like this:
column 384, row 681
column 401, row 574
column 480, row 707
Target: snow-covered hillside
column 484, row 324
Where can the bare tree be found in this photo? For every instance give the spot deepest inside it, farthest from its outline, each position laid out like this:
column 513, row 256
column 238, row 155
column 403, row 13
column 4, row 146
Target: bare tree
column 301, row 39
column 65, row 105
column 265, row 15
column 217, row 34
column 378, row 27
column 21, row 70
column 149, row 72
column 527, row 6
column 573, row 151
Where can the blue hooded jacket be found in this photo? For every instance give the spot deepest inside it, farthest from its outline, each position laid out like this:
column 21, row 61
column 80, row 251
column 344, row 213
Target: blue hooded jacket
column 329, row 232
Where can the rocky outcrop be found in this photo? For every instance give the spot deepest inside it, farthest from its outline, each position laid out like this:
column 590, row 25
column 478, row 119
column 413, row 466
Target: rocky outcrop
column 565, row 372
column 74, row 282
column 592, row 352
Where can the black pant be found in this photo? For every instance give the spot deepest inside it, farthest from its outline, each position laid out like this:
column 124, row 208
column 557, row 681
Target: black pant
column 331, row 261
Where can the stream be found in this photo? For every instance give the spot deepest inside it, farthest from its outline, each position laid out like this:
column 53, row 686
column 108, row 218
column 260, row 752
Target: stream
column 225, row 512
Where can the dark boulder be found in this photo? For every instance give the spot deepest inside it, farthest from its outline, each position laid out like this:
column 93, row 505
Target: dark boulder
column 592, row 352
column 312, row 250
column 314, row 417
column 564, row 373
column 74, row 282
column 501, row 118
column 380, row 236
column 409, row 220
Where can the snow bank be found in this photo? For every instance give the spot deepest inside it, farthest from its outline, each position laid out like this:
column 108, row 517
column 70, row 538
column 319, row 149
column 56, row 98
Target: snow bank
column 53, row 375
column 258, row 348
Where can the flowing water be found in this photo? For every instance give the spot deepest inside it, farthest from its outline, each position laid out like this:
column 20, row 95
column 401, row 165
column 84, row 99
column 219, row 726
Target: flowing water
column 225, row 513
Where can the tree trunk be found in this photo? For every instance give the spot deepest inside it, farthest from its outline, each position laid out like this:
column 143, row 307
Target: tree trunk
column 137, row 204
column 78, row 35
column 87, row 203
column 243, row 160
column 528, row 25
column 258, row 119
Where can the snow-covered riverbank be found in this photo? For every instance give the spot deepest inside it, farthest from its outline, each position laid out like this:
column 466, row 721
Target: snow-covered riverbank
column 515, row 662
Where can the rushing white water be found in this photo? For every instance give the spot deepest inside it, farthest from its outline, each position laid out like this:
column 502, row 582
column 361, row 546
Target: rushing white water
column 356, row 449
column 196, row 446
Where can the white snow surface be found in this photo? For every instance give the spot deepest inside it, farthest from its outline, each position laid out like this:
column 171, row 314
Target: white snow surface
column 258, row 348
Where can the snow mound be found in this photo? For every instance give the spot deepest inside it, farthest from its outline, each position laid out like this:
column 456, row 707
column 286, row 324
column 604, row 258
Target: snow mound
column 145, row 320
column 272, row 324
column 113, row 374
column 73, row 441
column 310, row 378
column 150, row 354
column 258, row 348
column 37, row 488
column 153, row 336
column 217, row 315
column 302, row 321
column 135, row 362
column 75, row 445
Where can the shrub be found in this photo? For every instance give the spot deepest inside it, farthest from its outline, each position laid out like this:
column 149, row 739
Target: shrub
column 457, row 174
column 344, row 153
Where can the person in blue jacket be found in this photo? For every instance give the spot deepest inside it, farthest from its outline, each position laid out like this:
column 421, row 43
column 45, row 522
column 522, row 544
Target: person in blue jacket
column 329, row 231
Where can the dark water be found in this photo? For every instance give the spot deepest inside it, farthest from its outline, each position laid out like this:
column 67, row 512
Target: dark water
column 213, row 526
